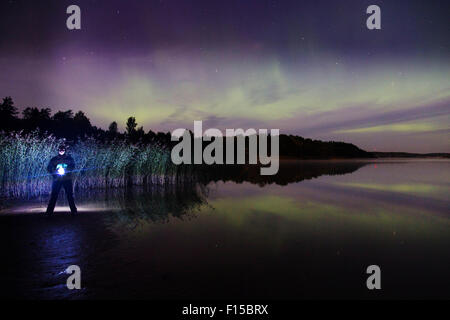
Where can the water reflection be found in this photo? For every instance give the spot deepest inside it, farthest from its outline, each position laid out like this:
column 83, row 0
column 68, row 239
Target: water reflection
column 309, row 233
column 134, row 205
column 290, row 171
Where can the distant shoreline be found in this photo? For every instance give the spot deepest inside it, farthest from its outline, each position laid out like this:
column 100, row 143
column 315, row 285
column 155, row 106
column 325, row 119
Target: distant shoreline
column 410, row 155
column 376, row 155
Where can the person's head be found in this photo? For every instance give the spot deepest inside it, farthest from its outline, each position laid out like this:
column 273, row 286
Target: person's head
column 62, row 149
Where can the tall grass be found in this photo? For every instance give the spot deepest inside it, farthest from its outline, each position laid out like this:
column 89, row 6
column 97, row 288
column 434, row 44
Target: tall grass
column 24, row 159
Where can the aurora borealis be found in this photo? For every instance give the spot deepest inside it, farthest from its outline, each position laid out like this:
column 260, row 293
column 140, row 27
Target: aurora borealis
column 306, row 67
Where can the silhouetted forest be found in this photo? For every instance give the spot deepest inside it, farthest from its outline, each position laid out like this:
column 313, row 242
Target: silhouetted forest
column 76, row 125
column 410, row 155
column 70, row 125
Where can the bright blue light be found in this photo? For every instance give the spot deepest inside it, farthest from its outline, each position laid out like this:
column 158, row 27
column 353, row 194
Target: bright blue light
column 61, row 171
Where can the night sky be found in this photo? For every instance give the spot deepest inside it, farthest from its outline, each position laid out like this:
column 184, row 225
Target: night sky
column 306, row 67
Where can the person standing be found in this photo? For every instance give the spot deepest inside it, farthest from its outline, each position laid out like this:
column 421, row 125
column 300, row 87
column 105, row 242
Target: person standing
column 61, row 168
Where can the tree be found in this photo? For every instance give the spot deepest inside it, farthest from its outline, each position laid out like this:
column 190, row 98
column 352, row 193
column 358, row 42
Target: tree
column 64, row 125
column 113, row 128
column 82, row 121
column 45, row 113
column 8, row 113
column 63, row 115
column 7, row 108
column 131, row 125
column 34, row 114
column 82, row 124
column 30, row 113
column 34, row 118
column 140, row 133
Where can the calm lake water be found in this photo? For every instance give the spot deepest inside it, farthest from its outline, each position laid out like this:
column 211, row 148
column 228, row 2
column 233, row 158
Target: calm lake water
column 311, row 232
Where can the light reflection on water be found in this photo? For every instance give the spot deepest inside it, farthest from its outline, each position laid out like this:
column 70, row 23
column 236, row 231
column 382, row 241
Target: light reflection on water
column 310, row 232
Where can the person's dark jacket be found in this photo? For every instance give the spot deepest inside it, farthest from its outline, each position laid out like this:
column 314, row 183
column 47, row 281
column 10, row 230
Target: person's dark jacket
column 66, row 162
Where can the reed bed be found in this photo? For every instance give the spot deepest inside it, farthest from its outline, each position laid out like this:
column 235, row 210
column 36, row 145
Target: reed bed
column 112, row 164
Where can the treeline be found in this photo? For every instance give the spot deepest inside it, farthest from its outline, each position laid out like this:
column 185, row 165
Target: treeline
column 70, row 125
column 290, row 147
column 410, row 155
column 301, row 148
column 77, row 126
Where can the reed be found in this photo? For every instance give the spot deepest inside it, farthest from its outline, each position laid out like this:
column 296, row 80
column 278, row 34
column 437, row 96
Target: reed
column 112, row 164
